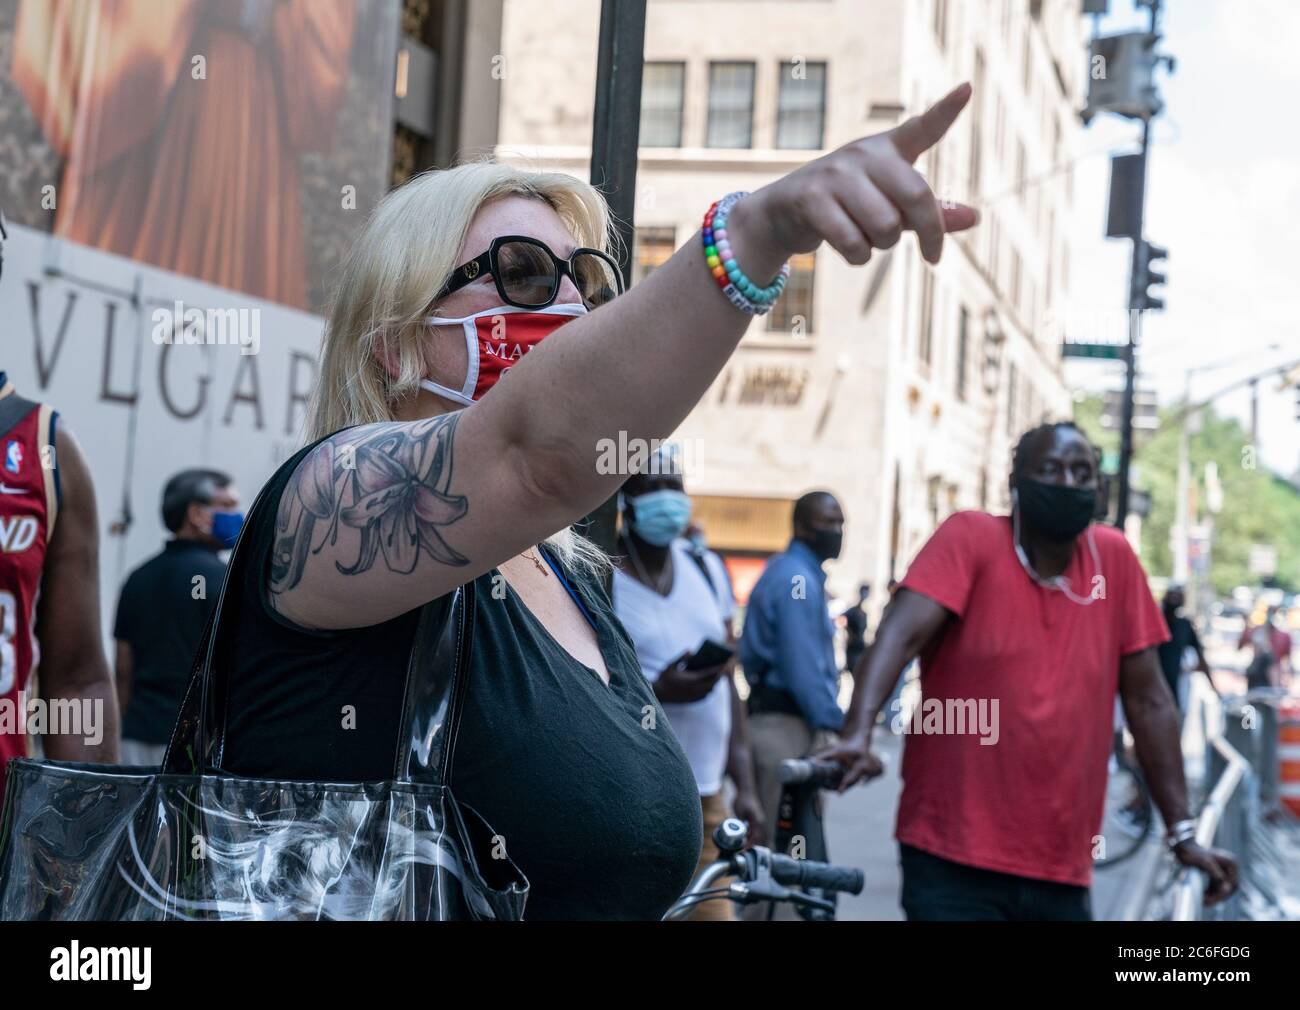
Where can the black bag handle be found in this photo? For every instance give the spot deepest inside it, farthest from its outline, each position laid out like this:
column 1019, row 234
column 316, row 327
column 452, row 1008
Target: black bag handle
column 437, row 670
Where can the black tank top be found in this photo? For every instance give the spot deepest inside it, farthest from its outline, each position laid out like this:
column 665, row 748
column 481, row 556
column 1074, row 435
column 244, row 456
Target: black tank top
column 585, row 783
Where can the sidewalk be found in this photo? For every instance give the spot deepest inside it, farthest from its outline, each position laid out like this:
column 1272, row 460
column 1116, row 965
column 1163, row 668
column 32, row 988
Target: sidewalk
column 860, row 832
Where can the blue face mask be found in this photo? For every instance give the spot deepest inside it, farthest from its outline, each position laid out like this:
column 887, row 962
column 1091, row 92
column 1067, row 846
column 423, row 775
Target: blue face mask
column 226, row 526
column 659, row 517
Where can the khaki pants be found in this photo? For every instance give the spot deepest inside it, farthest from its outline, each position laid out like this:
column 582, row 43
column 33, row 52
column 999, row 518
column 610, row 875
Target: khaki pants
column 777, row 737
column 714, row 809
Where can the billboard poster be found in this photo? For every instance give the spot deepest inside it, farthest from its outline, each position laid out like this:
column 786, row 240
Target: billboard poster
column 181, row 179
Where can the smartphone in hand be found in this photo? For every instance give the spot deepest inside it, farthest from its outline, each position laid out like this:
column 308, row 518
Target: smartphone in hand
column 710, row 653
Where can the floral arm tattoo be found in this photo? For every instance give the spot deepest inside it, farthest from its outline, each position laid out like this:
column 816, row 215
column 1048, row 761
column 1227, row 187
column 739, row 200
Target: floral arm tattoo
column 389, row 482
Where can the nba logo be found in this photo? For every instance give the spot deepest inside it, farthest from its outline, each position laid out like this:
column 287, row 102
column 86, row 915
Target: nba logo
column 13, row 456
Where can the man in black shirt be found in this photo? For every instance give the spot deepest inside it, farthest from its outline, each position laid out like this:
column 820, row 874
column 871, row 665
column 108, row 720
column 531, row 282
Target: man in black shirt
column 164, row 606
column 855, row 628
column 1182, row 636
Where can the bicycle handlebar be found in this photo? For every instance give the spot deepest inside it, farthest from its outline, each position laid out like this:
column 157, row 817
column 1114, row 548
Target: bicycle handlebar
column 763, row 875
column 810, row 873
column 797, row 771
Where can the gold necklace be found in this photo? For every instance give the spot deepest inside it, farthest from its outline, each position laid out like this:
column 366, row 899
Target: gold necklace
column 537, row 561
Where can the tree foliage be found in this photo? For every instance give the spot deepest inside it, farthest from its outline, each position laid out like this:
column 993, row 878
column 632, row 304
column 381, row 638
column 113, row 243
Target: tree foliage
column 1258, row 506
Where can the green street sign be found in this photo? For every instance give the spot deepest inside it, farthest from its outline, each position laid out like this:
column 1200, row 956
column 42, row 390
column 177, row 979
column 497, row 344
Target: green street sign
column 1112, row 351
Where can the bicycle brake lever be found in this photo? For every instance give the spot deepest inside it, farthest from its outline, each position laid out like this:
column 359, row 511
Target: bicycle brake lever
column 751, row 893
column 758, row 890
column 804, row 898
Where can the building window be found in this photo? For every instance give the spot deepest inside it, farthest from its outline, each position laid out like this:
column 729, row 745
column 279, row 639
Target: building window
column 1013, row 288
column 662, row 88
column 1022, row 183
column 963, row 345
column 927, row 315
column 995, row 248
column 793, row 312
column 653, row 248
column 1012, row 380
column 731, row 105
column 896, row 521
column 977, row 125
column 999, row 132
column 801, row 105
column 941, row 22
column 1028, row 58
column 1050, row 272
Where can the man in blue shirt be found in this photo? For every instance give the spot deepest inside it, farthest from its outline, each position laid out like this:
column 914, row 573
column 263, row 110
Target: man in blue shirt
column 787, row 648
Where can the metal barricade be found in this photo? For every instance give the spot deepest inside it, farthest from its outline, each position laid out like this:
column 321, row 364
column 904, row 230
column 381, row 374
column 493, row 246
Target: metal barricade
column 1241, row 812
column 1222, row 820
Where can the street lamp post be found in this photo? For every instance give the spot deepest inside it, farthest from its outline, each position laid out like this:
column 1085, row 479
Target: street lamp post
column 614, row 143
column 1126, row 87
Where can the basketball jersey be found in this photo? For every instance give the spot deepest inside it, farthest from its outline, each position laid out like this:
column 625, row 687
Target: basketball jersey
column 28, row 507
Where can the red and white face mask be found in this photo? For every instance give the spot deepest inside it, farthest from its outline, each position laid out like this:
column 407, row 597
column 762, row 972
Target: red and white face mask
column 496, row 339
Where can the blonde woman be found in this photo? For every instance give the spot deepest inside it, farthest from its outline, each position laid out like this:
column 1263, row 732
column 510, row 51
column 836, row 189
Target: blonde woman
column 452, row 470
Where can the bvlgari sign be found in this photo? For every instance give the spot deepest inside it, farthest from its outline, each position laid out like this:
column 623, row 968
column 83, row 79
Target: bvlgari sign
column 153, row 373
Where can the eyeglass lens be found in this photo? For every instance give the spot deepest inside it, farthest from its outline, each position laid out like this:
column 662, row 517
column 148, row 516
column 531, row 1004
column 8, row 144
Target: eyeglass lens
column 530, row 277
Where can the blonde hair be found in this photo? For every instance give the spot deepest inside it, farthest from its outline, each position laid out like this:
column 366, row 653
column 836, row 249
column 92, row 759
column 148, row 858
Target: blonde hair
column 401, row 259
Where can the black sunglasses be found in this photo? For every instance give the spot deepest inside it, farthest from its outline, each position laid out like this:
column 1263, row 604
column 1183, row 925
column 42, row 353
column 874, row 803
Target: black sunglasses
column 528, row 274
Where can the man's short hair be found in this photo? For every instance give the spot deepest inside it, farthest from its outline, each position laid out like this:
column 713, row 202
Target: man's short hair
column 187, row 487
column 1020, row 454
column 803, row 508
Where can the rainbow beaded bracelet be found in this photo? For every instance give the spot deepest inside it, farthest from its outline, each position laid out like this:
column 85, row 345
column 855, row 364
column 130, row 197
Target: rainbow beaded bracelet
column 743, row 293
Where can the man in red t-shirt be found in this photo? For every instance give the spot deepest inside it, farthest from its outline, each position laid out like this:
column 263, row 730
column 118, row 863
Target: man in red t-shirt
column 1026, row 627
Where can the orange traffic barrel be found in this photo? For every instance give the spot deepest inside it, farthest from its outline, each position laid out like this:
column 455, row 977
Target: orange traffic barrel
column 1288, row 755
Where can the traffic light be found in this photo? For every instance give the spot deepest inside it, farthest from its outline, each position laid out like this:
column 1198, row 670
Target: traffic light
column 1147, row 253
column 1121, row 76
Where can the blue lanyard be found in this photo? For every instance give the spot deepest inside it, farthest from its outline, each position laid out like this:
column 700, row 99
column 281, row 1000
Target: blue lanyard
column 565, row 582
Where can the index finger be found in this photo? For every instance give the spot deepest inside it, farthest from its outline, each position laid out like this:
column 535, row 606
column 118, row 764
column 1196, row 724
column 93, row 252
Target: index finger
column 920, row 133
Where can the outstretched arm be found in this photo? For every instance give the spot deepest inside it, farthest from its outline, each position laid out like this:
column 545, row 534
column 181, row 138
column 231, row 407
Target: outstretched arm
column 385, row 517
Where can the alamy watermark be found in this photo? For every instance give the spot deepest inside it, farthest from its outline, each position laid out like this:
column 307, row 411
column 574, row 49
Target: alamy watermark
column 629, row 456
column 83, row 717
column 951, row 717
column 75, row 963
column 176, row 324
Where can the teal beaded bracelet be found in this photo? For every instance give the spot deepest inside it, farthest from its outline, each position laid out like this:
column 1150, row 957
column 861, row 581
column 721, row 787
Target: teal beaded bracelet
column 743, row 293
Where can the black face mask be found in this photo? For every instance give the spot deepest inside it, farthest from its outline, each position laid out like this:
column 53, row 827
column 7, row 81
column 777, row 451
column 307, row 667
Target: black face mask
column 1057, row 512
column 825, row 544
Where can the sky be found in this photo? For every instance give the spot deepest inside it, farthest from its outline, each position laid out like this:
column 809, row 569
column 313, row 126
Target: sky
column 1223, row 196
